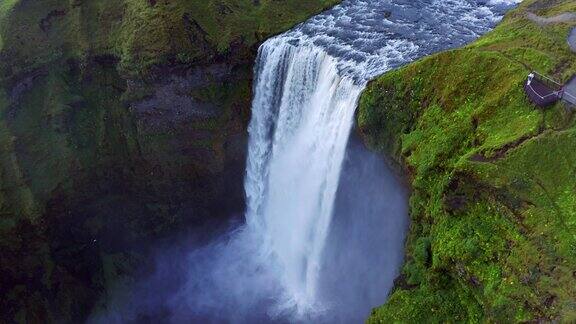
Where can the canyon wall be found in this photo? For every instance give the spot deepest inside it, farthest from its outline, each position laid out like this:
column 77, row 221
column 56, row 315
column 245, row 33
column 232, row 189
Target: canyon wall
column 121, row 122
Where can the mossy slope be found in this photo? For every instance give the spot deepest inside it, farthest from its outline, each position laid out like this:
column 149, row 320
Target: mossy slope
column 139, row 32
column 493, row 197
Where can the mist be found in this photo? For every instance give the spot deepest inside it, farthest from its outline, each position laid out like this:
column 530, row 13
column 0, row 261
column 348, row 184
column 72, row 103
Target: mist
column 219, row 274
column 365, row 247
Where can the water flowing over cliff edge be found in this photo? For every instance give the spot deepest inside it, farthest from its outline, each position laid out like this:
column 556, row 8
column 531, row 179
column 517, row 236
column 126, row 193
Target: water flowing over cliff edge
column 276, row 266
column 307, row 87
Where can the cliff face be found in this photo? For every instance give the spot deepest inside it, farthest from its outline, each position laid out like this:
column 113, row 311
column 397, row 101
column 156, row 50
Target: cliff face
column 120, row 122
column 493, row 198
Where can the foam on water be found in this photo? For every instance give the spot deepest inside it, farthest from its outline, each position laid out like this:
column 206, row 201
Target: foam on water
column 370, row 37
column 298, row 138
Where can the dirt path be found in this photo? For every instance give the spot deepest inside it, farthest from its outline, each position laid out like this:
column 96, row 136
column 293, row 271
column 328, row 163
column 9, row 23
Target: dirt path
column 570, row 87
column 570, row 91
column 561, row 18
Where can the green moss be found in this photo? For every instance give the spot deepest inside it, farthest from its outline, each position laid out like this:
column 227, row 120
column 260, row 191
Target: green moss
column 138, row 33
column 5, row 8
column 16, row 193
column 492, row 204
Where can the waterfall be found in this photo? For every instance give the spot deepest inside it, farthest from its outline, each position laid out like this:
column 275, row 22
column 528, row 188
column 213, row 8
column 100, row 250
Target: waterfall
column 302, row 115
column 326, row 220
column 307, row 84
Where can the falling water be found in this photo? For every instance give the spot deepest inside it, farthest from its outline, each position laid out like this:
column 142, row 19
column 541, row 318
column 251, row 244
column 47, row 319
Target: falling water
column 302, row 118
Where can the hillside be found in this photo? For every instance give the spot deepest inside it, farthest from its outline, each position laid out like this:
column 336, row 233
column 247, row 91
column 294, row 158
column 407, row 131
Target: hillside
column 120, row 122
column 139, row 33
column 493, row 197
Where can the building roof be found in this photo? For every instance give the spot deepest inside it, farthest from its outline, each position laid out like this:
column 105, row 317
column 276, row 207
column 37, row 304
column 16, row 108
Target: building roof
column 542, row 91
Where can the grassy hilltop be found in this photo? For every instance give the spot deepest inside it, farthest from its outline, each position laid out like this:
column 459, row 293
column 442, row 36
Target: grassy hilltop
column 493, row 205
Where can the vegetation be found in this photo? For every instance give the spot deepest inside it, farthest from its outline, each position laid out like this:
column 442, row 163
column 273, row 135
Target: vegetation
column 140, row 33
column 493, row 197
column 87, row 176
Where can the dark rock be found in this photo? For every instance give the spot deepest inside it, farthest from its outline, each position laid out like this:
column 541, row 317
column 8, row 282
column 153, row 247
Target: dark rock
column 46, row 22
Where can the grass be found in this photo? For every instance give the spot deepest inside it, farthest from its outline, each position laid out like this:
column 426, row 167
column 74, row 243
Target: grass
column 493, row 197
column 138, row 33
column 5, row 8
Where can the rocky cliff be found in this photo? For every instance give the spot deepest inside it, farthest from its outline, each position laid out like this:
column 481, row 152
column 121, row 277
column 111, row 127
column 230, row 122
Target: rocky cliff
column 493, row 198
column 120, row 122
